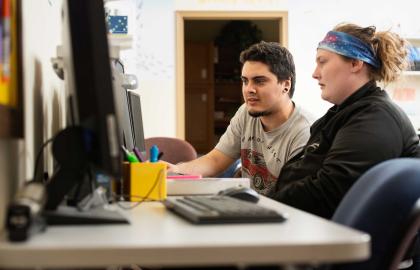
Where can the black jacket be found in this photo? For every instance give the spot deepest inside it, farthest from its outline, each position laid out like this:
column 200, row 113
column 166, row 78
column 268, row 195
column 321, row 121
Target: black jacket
column 348, row 140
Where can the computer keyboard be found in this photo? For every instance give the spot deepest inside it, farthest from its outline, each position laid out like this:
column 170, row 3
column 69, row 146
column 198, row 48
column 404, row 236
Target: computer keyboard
column 220, row 210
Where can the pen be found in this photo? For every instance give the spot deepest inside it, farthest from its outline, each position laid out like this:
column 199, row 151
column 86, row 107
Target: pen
column 128, row 155
column 154, row 152
column 138, row 154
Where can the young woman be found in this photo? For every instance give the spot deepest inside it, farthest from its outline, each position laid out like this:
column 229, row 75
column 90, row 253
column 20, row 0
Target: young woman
column 363, row 128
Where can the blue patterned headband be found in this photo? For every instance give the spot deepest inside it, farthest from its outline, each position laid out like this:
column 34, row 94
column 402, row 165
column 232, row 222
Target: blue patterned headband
column 350, row 46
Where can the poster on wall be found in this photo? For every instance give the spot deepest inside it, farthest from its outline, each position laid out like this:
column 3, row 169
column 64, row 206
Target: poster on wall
column 8, row 53
column 11, row 111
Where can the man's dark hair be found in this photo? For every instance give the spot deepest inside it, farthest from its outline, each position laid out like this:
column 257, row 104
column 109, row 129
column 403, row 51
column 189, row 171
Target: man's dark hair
column 278, row 59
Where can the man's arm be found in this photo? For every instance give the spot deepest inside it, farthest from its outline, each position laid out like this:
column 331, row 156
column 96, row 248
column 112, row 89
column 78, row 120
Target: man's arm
column 216, row 161
column 211, row 164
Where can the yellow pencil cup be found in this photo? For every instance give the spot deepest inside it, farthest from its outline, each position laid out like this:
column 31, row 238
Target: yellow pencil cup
column 144, row 181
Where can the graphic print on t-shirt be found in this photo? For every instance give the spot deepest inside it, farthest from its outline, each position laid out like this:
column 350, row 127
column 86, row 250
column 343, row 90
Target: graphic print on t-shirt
column 254, row 165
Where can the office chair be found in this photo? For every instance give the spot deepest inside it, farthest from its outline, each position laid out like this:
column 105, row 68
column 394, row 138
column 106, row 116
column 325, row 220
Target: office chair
column 384, row 202
column 174, row 150
column 233, row 171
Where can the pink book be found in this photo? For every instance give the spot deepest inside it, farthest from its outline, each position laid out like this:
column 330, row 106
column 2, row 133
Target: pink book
column 183, row 176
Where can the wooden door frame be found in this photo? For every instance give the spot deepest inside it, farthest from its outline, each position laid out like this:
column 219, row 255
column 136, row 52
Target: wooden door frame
column 280, row 16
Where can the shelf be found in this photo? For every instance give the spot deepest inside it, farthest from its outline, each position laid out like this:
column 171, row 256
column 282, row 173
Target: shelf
column 414, row 41
column 411, row 73
column 123, row 41
column 228, row 100
column 221, row 123
column 119, row 42
column 227, row 82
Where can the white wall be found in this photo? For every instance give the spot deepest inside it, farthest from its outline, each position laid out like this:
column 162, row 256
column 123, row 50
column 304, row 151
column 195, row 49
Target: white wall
column 309, row 21
column 153, row 57
column 154, row 43
column 44, row 93
column 43, row 113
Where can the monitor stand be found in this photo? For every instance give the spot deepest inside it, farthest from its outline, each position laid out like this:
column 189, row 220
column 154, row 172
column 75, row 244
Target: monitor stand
column 73, row 169
column 68, row 215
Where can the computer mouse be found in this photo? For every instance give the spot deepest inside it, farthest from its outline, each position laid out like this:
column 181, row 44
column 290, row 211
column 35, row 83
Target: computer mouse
column 242, row 193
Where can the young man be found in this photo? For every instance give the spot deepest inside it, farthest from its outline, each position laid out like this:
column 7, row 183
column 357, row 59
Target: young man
column 266, row 131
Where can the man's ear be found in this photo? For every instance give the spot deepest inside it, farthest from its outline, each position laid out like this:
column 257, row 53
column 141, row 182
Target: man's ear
column 287, row 83
column 356, row 65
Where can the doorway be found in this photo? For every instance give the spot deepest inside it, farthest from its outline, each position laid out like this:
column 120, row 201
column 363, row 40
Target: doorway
column 208, row 74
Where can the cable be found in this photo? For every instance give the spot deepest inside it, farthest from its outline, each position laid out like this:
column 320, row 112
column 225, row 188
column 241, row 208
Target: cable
column 38, row 157
column 118, row 61
column 146, row 197
column 158, row 180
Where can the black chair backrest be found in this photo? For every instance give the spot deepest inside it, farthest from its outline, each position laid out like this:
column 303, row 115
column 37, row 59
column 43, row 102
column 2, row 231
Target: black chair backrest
column 383, row 203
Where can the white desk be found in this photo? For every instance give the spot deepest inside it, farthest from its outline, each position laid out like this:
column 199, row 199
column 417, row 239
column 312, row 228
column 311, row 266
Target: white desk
column 157, row 237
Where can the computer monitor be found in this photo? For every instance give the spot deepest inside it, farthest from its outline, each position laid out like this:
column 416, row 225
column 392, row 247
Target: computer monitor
column 91, row 141
column 128, row 108
column 123, row 112
column 137, row 120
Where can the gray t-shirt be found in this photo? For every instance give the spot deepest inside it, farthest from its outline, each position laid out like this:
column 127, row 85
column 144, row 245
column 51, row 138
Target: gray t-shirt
column 263, row 154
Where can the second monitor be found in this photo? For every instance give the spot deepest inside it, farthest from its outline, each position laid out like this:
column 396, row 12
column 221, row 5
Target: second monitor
column 137, row 120
column 128, row 112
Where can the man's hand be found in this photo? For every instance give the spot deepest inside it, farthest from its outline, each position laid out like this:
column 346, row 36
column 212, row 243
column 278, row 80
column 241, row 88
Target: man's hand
column 172, row 168
column 211, row 164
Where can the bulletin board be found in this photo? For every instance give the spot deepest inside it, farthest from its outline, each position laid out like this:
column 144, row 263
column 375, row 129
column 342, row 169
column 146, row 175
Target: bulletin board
column 11, row 81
